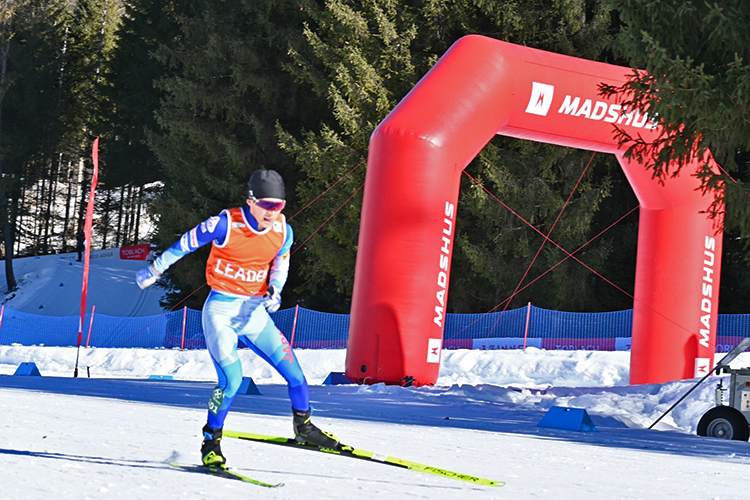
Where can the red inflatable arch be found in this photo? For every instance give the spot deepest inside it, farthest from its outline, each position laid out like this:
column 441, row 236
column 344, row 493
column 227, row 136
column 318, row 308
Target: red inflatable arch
column 479, row 88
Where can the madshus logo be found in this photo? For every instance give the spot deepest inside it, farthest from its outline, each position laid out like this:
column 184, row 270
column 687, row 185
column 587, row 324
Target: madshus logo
column 542, row 96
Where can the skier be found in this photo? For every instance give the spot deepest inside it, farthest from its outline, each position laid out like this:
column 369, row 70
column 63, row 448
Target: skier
column 246, row 270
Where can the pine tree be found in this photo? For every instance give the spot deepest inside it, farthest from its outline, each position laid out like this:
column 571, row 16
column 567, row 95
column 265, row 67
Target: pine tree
column 363, row 57
column 223, row 95
column 250, row 84
column 30, row 116
column 696, row 57
column 130, row 103
column 360, row 60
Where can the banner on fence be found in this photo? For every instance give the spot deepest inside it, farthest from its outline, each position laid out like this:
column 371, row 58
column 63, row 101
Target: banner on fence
column 496, row 344
column 135, row 252
column 622, row 344
column 550, row 344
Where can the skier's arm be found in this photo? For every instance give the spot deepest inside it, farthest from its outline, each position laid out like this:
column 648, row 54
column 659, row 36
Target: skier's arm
column 279, row 273
column 212, row 229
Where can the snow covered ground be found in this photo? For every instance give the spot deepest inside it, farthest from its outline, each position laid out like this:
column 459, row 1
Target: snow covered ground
column 113, row 434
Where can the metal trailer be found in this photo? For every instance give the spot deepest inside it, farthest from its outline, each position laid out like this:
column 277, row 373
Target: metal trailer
column 730, row 420
column 725, row 421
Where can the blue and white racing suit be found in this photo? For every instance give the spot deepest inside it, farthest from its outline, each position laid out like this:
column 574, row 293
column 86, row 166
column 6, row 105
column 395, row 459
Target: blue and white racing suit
column 228, row 317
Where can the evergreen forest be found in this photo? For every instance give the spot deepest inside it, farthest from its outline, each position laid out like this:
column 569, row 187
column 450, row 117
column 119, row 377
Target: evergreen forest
column 189, row 97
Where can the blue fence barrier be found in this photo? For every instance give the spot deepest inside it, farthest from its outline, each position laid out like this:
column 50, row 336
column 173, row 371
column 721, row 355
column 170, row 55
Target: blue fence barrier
column 306, row 329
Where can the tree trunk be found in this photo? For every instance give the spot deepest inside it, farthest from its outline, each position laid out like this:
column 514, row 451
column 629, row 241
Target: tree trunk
column 105, row 218
column 95, row 105
column 10, row 277
column 136, row 239
column 128, row 216
column 49, row 229
column 40, row 222
column 19, row 200
column 68, row 199
column 119, row 216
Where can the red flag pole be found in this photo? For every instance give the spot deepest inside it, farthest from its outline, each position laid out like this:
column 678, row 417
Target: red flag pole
column 526, row 330
column 294, row 325
column 87, row 249
column 91, row 323
column 184, row 320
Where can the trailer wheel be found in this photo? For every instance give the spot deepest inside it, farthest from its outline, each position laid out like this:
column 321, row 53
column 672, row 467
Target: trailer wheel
column 724, row 422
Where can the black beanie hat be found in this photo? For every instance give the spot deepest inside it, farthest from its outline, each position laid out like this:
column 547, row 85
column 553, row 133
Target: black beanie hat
column 266, row 184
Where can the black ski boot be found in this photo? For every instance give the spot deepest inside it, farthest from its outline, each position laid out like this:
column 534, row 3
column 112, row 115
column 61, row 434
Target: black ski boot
column 306, row 432
column 211, row 447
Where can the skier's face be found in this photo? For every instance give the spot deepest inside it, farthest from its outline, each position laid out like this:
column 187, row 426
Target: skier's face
column 266, row 210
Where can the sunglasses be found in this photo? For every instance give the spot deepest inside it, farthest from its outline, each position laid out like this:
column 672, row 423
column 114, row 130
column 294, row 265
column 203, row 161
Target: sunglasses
column 270, row 205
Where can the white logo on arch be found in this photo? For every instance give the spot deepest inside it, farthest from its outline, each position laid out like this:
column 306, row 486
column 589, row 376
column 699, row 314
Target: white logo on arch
column 541, row 99
column 433, row 350
column 702, row 366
